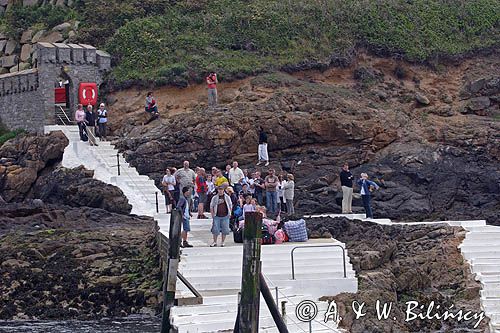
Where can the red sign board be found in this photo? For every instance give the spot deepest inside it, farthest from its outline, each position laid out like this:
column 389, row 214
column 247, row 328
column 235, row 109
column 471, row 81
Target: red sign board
column 60, row 94
column 87, row 94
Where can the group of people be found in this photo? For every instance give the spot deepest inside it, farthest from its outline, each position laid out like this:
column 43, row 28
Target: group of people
column 92, row 124
column 366, row 187
column 227, row 195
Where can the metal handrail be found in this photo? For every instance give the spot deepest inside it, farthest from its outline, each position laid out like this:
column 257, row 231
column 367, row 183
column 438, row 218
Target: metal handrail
column 310, row 246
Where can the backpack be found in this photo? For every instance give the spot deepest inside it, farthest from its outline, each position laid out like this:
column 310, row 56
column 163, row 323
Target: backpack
column 238, row 235
column 267, row 238
column 238, row 211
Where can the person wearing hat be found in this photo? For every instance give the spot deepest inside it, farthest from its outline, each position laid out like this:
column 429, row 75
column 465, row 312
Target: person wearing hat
column 102, row 115
column 220, row 208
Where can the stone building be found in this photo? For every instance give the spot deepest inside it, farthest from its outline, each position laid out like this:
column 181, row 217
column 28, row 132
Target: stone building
column 27, row 97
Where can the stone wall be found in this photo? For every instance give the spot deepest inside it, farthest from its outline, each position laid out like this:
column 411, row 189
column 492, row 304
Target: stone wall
column 27, row 97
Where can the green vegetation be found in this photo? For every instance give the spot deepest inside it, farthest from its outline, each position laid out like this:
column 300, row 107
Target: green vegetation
column 175, row 42
column 19, row 18
column 7, row 135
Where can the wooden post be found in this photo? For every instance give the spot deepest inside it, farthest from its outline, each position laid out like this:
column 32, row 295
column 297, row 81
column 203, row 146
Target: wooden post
column 170, row 273
column 250, row 280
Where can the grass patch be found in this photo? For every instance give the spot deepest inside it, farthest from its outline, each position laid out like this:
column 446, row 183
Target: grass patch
column 177, row 42
column 9, row 135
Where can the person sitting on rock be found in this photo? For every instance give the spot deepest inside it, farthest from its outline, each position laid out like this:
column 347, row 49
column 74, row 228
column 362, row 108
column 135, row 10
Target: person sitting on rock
column 367, row 186
column 151, row 106
column 184, row 207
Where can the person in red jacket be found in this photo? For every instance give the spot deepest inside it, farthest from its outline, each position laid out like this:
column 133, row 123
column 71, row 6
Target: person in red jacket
column 212, row 89
column 201, row 190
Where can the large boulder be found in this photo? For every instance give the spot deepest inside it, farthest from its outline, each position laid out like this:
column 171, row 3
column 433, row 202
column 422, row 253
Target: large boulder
column 23, row 158
column 77, row 188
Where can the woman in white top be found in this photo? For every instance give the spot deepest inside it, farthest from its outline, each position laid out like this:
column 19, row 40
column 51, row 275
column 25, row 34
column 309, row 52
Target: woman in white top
column 168, row 183
column 280, row 189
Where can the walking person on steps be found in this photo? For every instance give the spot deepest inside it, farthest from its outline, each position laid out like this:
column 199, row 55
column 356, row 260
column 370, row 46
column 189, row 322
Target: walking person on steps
column 212, row 89
column 102, row 121
column 367, row 186
column 168, row 183
column 263, row 154
column 90, row 121
column 184, row 207
column 346, row 178
column 80, row 120
column 220, row 208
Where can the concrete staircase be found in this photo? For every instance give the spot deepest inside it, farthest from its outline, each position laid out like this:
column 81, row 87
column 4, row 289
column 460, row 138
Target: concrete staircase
column 103, row 159
column 216, row 272
column 481, row 248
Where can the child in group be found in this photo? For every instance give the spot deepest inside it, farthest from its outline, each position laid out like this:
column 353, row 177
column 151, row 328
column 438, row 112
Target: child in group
column 250, row 204
column 183, row 206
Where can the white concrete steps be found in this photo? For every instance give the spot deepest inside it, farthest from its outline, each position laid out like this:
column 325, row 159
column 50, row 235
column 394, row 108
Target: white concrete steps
column 223, row 317
column 481, row 248
column 140, row 190
column 319, row 271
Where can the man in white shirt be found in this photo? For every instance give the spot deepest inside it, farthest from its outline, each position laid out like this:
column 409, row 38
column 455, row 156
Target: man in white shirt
column 235, row 177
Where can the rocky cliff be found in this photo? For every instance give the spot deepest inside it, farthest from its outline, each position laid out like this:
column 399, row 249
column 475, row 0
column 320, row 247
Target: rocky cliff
column 397, row 264
column 29, row 169
column 429, row 137
column 68, row 247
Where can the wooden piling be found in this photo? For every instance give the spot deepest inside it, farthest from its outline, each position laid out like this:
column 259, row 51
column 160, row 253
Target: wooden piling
column 250, row 281
column 170, row 273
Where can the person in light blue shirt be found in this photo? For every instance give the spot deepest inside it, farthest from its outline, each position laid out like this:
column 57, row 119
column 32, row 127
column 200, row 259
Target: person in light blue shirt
column 367, row 186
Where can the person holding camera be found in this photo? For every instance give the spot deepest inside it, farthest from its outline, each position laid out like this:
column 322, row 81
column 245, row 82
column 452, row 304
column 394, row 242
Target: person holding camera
column 367, row 186
column 212, row 89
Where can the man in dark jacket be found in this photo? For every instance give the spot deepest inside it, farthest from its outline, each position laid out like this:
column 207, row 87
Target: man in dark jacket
column 90, row 119
column 346, row 183
column 184, row 207
column 263, row 154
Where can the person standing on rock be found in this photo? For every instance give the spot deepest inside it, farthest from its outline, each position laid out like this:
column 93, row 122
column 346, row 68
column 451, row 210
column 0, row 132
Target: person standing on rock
column 168, row 183
column 281, row 193
column 346, row 178
column 185, row 176
column 236, row 177
column 80, row 120
column 90, row 125
column 184, row 207
column 263, row 154
column 202, row 191
column 271, row 183
column 220, row 208
column 212, row 89
column 367, row 186
column 102, row 121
